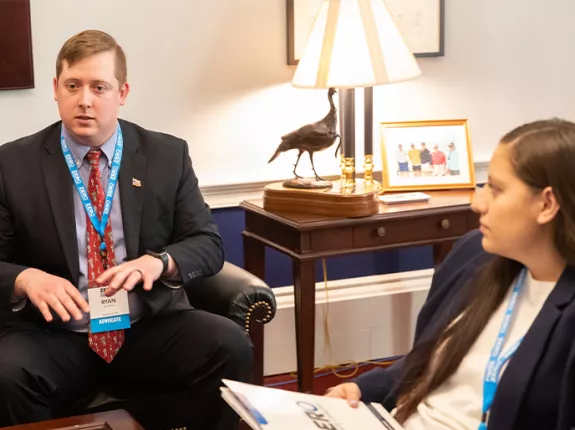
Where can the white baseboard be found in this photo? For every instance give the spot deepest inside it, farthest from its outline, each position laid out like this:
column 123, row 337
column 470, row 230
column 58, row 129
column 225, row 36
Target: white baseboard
column 357, row 319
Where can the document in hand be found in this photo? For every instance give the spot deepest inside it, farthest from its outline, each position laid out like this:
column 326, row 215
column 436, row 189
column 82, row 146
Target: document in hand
column 264, row 408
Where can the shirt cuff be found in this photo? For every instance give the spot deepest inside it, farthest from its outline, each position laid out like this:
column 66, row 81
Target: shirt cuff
column 171, row 284
column 17, row 303
column 174, row 281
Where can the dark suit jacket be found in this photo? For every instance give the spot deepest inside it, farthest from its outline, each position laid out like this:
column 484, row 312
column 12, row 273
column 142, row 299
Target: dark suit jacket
column 37, row 227
column 537, row 389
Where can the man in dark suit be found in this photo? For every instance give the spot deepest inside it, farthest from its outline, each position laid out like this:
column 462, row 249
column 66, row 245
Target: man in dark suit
column 91, row 274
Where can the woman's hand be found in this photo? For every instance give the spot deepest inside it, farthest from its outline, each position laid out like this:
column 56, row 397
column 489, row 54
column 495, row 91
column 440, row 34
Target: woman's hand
column 348, row 391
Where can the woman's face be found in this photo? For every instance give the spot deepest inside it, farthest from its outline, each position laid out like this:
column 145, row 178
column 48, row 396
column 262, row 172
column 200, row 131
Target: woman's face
column 512, row 215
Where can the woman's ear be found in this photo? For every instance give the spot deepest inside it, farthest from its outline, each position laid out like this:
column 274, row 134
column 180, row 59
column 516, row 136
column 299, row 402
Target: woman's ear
column 549, row 206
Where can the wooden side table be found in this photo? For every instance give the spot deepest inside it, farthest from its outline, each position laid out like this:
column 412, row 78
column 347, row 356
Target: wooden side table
column 112, row 420
column 307, row 238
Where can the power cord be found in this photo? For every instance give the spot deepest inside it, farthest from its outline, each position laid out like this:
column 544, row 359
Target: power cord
column 353, row 366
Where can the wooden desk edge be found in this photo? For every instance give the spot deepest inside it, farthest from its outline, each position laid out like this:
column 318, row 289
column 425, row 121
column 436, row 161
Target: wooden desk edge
column 282, row 217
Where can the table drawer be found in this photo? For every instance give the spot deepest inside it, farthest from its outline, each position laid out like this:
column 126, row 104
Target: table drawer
column 405, row 231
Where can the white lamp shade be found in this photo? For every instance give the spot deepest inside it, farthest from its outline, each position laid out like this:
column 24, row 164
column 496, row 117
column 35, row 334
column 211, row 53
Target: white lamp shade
column 354, row 43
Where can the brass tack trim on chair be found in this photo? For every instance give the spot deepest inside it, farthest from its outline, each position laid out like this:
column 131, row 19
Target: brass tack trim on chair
column 253, row 308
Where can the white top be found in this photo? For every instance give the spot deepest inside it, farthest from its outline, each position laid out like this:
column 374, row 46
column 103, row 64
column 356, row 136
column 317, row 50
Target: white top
column 401, row 156
column 457, row 403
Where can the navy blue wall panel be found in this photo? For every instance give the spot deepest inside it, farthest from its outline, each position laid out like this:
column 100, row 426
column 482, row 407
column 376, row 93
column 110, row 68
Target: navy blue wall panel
column 278, row 266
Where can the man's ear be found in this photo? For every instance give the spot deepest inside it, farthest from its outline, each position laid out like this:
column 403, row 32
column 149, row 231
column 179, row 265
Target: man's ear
column 124, row 93
column 549, row 206
column 55, row 87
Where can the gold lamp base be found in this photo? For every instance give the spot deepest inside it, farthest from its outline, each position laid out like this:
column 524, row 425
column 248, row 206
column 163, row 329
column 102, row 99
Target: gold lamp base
column 341, row 200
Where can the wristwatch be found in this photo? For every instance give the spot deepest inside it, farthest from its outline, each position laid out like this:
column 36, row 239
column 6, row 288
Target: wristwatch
column 162, row 254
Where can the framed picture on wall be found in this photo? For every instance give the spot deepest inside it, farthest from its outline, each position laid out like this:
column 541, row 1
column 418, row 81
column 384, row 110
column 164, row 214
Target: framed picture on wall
column 16, row 65
column 426, row 155
column 421, row 22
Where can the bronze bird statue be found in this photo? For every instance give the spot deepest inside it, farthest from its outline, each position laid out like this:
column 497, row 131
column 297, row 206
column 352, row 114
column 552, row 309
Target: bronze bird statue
column 312, row 138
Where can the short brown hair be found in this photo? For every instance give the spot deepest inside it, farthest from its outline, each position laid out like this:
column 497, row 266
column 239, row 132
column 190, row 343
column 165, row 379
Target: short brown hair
column 91, row 42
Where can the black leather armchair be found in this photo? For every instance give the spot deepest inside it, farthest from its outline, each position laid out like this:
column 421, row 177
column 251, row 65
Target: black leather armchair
column 242, row 297
column 234, row 293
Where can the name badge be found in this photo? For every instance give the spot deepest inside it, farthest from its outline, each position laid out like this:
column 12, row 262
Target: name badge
column 108, row 313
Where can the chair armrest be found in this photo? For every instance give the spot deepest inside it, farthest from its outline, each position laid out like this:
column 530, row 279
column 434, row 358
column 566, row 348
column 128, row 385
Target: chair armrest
column 234, row 293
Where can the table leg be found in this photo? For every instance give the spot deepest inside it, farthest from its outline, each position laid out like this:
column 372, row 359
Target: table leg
column 255, row 263
column 440, row 251
column 255, row 257
column 304, row 296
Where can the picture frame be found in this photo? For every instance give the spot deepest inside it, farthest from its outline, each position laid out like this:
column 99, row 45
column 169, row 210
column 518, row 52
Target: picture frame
column 16, row 61
column 447, row 163
column 422, row 23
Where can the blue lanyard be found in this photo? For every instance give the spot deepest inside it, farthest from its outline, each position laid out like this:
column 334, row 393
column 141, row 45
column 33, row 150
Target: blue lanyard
column 496, row 361
column 99, row 226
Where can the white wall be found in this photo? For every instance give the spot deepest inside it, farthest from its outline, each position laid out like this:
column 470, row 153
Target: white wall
column 214, row 72
column 357, row 320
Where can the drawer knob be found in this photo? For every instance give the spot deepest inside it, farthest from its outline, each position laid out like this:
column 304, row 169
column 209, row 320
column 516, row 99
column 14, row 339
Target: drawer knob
column 381, row 231
column 445, row 224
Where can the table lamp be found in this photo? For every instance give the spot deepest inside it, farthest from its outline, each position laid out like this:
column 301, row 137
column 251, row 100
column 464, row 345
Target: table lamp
column 354, row 44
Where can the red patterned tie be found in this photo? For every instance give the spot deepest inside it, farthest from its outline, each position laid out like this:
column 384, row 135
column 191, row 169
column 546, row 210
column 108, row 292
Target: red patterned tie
column 106, row 344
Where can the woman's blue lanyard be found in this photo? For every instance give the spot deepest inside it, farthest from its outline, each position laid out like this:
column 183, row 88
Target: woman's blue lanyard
column 496, row 361
column 99, row 226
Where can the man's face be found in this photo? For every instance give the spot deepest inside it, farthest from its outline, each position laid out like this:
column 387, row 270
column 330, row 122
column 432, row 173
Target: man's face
column 89, row 98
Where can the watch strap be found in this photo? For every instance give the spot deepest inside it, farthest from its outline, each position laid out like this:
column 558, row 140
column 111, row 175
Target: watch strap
column 163, row 255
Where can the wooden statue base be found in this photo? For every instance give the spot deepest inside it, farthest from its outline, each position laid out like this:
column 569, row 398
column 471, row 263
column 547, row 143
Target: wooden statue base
column 356, row 202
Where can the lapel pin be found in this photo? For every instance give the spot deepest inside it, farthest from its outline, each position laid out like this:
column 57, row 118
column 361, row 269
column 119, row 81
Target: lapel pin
column 136, row 182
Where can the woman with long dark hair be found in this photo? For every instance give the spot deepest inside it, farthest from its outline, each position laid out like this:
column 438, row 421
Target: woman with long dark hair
column 495, row 341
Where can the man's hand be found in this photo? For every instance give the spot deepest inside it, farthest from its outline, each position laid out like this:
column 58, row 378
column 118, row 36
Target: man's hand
column 348, row 391
column 47, row 291
column 146, row 269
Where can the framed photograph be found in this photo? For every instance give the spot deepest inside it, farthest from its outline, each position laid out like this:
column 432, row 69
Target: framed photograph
column 426, row 155
column 421, row 22
column 16, row 66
